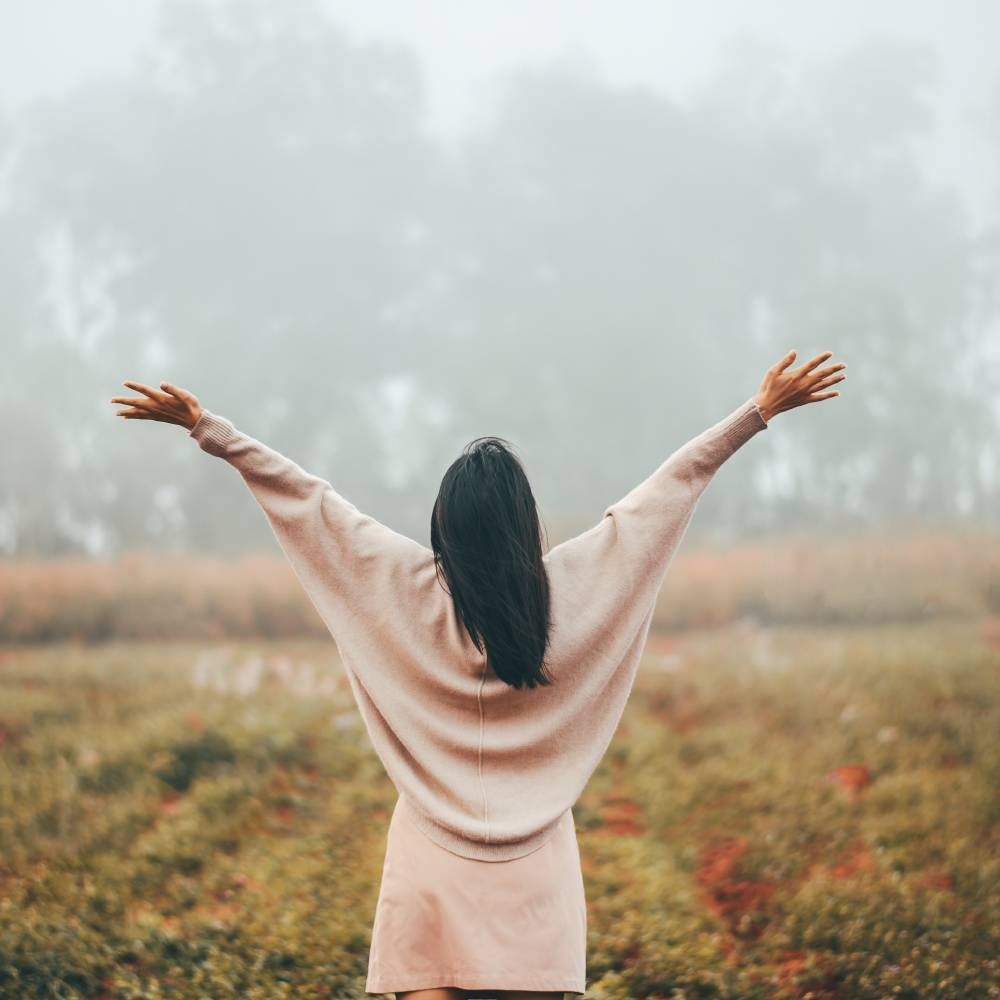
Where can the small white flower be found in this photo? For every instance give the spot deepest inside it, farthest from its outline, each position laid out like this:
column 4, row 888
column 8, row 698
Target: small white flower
column 345, row 720
column 850, row 713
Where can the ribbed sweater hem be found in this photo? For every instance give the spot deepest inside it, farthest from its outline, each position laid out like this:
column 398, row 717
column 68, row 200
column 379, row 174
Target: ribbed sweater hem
column 476, row 850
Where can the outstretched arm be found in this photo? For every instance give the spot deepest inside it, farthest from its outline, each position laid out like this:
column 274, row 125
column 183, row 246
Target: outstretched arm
column 631, row 547
column 340, row 555
column 634, row 541
column 683, row 477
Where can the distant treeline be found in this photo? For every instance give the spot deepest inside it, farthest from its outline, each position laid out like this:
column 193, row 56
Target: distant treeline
column 795, row 580
column 587, row 250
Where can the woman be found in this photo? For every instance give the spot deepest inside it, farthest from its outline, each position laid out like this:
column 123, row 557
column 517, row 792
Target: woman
column 490, row 676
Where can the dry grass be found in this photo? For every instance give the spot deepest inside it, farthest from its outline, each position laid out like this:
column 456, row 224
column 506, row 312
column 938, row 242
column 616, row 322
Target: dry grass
column 784, row 812
column 871, row 580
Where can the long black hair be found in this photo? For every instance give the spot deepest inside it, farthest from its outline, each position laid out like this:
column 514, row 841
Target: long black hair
column 487, row 540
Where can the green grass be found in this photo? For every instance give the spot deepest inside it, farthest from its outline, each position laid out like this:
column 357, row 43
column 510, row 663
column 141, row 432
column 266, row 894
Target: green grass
column 164, row 835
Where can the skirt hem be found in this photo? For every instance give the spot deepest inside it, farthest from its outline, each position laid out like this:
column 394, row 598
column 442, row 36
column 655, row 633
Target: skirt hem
column 397, row 982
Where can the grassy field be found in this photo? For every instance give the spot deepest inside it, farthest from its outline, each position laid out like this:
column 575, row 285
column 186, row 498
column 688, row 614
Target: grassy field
column 784, row 812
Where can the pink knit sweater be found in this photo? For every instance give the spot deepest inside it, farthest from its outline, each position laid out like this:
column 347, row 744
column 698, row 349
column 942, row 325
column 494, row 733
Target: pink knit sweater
column 489, row 770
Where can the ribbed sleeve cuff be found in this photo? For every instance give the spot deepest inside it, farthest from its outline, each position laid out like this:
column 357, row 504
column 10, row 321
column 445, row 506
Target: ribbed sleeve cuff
column 745, row 421
column 213, row 433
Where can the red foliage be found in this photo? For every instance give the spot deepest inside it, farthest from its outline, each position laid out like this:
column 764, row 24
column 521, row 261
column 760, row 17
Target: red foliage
column 851, row 777
column 725, row 894
column 991, row 631
column 621, row 818
column 285, row 812
column 860, row 860
column 936, row 879
column 169, row 804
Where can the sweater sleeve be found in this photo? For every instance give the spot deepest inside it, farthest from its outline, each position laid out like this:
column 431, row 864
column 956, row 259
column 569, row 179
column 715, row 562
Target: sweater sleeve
column 677, row 484
column 348, row 563
column 610, row 575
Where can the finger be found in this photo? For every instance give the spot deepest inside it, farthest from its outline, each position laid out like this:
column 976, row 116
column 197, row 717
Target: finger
column 136, row 401
column 831, row 380
column 154, row 394
column 785, row 361
column 809, row 365
column 174, row 390
column 149, row 415
column 822, row 395
column 137, row 410
column 829, row 370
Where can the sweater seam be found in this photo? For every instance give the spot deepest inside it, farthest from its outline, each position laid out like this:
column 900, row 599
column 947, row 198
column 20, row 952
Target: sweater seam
column 482, row 726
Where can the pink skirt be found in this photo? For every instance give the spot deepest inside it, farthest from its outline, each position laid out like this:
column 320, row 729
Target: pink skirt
column 446, row 920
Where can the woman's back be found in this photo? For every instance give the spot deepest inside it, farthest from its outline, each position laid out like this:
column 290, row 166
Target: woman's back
column 488, row 769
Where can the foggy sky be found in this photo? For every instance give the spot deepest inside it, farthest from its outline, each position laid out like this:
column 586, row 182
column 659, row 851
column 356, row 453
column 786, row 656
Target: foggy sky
column 50, row 45
column 581, row 226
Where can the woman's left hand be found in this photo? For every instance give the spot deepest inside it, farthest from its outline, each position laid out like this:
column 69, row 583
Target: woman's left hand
column 169, row 404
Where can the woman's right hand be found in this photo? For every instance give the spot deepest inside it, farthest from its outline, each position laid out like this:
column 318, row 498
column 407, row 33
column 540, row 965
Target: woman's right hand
column 169, row 404
column 784, row 390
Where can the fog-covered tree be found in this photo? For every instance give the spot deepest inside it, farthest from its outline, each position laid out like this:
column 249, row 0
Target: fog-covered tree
column 256, row 210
